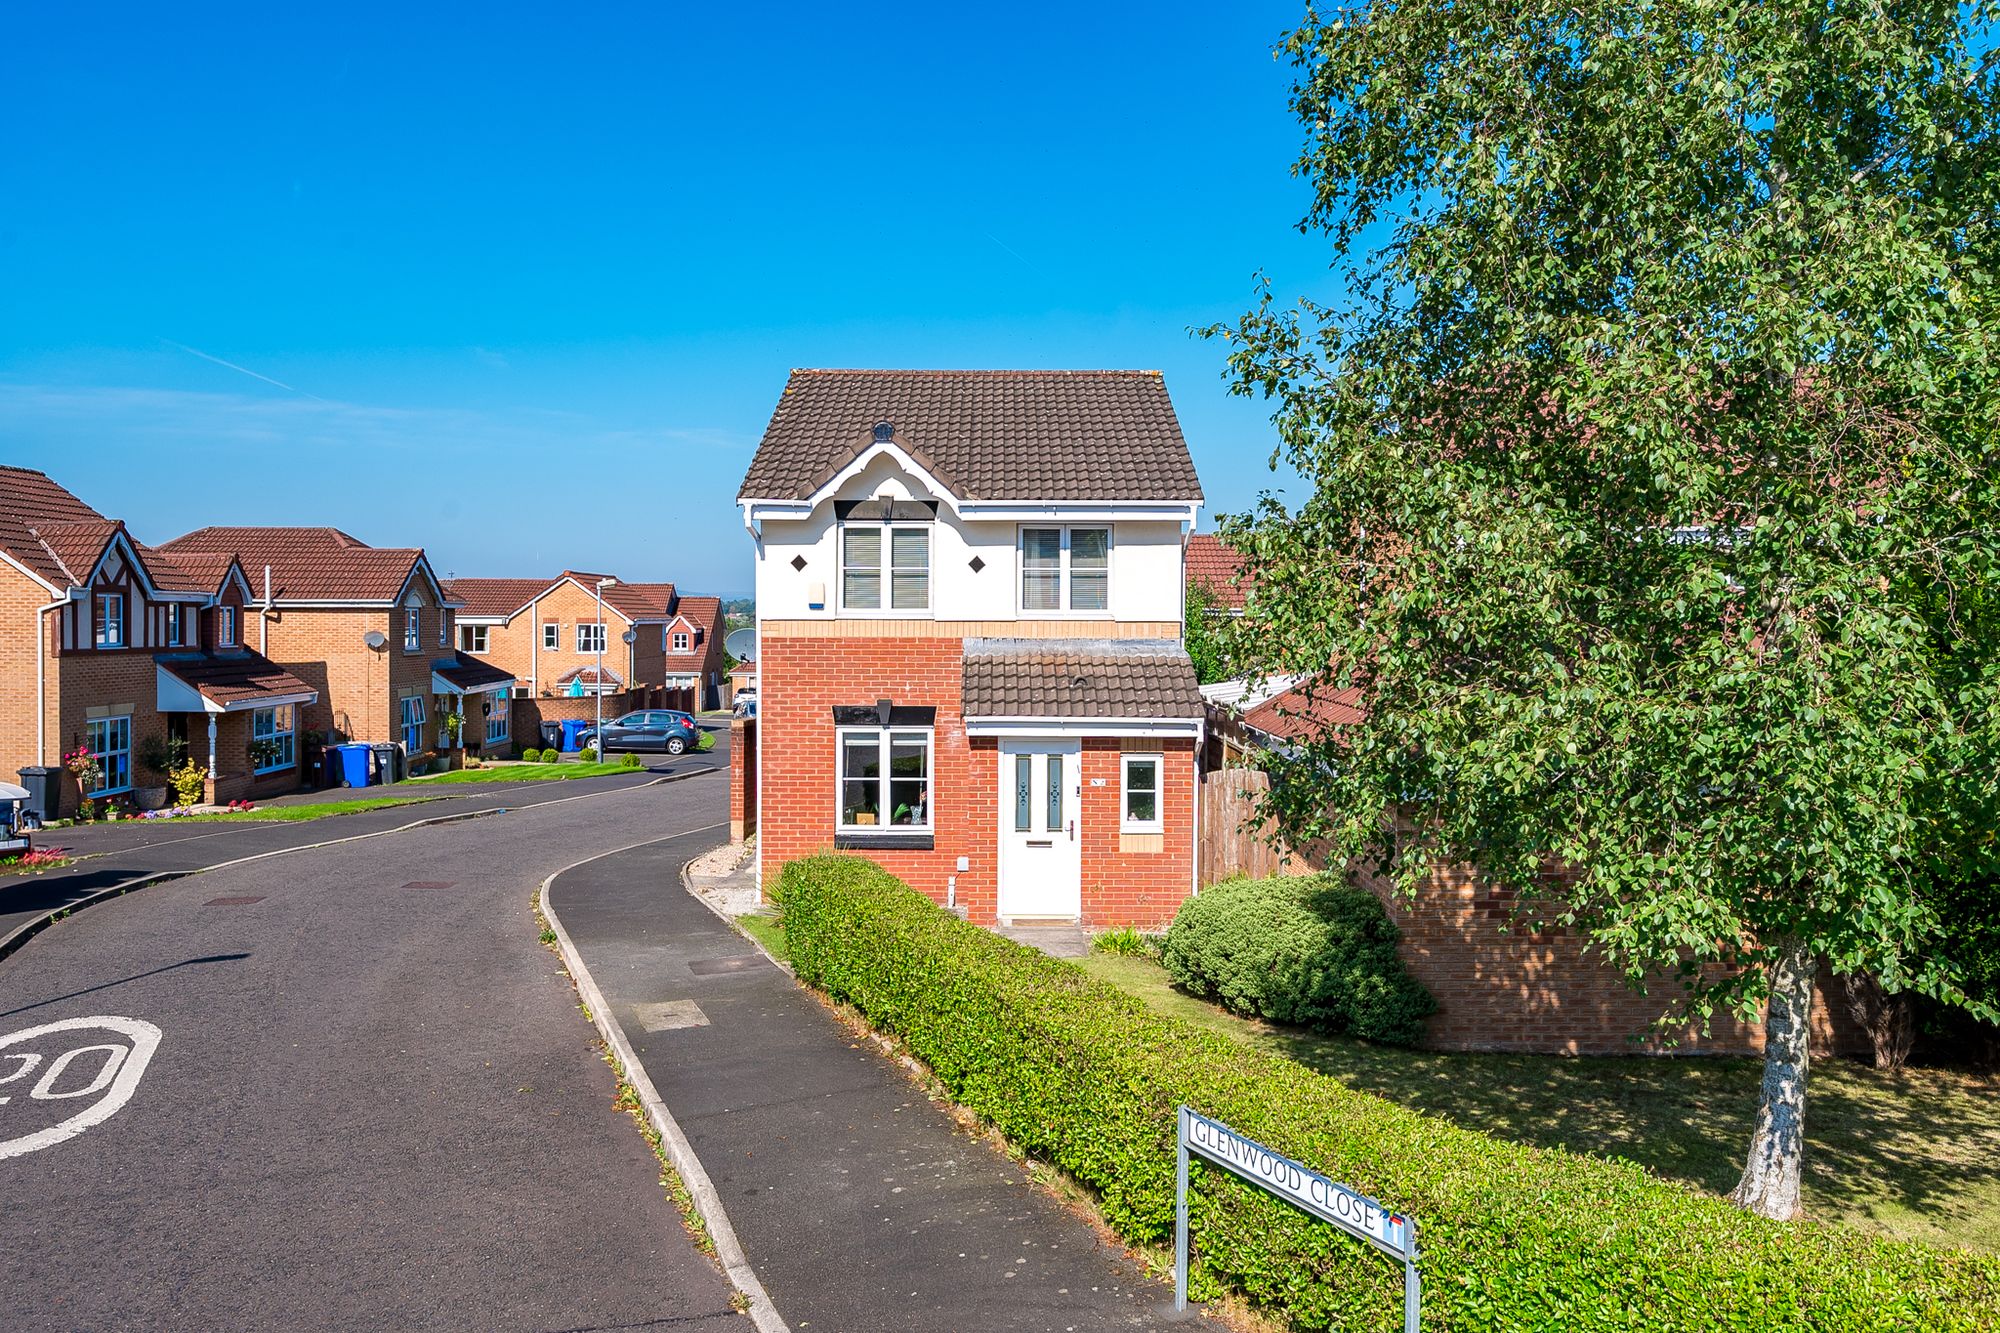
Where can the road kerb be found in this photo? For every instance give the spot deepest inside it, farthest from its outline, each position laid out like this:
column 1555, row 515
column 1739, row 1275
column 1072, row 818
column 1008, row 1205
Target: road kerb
column 728, row 1250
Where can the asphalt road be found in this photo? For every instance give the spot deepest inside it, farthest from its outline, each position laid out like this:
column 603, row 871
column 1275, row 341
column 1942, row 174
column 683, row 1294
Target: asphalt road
column 373, row 1101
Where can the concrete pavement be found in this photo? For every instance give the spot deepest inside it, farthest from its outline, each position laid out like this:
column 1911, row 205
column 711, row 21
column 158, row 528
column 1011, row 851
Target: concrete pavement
column 860, row 1204
column 374, row 1102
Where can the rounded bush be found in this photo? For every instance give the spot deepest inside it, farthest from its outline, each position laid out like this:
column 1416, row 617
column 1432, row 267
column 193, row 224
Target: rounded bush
column 628, row 760
column 531, row 756
column 1306, row 950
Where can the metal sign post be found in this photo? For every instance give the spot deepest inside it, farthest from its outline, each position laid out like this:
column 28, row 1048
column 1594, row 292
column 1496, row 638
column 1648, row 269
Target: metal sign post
column 1358, row 1215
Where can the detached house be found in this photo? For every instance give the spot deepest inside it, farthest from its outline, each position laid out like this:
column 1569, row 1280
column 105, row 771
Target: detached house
column 970, row 657
column 372, row 632
column 133, row 654
column 548, row 632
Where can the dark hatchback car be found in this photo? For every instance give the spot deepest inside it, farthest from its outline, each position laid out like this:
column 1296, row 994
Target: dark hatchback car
column 660, row 729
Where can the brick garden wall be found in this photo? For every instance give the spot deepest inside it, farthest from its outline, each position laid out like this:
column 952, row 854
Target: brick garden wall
column 742, row 778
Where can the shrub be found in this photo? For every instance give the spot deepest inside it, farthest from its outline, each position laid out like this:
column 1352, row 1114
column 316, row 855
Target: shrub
column 531, row 756
column 1308, row 950
column 189, row 783
column 628, row 760
column 1123, row 940
column 1083, row 1076
column 588, row 754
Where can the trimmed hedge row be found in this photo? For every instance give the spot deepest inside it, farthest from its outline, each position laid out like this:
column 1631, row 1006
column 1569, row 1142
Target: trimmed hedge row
column 1083, row 1076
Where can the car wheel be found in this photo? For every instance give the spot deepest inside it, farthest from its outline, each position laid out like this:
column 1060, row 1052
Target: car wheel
column 675, row 745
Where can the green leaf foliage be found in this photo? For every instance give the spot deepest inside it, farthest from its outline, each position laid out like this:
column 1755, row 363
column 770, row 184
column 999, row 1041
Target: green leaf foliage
column 1655, row 455
column 1307, row 950
column 1087, row 1078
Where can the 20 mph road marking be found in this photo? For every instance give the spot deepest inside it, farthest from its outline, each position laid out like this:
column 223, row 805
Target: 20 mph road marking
column 71, row 1067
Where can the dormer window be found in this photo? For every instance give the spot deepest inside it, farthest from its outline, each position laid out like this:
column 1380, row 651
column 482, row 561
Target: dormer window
column 173, row 624
column 1065, row 569
column 682, row 642
column 885, row 554
column 110, row 620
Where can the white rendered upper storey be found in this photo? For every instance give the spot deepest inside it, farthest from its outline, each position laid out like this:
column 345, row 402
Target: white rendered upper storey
column 997, row 496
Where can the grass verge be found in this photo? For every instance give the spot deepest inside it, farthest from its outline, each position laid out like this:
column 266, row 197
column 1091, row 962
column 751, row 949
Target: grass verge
column 1911, row 1154
column 527, row 773
column 767, row 931
column 294, row 814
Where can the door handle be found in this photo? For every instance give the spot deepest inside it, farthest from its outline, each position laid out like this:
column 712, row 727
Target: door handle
column 1072, row 830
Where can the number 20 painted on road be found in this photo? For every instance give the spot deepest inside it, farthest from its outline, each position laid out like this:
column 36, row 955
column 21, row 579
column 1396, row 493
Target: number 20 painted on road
column 68, row 1075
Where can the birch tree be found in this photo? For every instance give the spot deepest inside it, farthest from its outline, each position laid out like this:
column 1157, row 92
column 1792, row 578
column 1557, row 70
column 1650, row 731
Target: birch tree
column 1652, row 447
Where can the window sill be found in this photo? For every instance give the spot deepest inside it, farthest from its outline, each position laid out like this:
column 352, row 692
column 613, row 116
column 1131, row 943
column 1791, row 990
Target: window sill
column 882, row 842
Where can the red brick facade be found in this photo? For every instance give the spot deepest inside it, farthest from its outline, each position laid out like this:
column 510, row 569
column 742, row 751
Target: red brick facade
column 804, row 679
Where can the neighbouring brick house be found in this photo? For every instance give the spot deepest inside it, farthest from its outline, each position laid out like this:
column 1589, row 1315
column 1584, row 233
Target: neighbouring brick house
column 371, row 631
column 969, row 599
column 546, row 632
column 1498, row 987
column 122, row 650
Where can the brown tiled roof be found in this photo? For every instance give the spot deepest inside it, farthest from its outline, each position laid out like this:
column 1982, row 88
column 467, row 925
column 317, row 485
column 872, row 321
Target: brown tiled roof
column 76, row 546
column 1135, row 678
column 189, row 571
column 308, row 564
column 29, row 499
column 1211, row 564
column 234, row 677
column 469, row 673
column 494, row 597
column 1292, row 716
column 588, row 675
column 986, row 434
column 639, row 601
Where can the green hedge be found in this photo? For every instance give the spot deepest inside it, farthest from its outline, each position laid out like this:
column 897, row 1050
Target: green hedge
column 1301, row 949
column 1083, row 1076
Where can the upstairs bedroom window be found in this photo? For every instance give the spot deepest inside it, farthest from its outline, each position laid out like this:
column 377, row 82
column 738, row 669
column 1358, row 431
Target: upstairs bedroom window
column 681, row 641
column 885, row 554
column 110, row 620
column 413, row 629
column 225, row 627
column 1066, row 569
column 590, row 638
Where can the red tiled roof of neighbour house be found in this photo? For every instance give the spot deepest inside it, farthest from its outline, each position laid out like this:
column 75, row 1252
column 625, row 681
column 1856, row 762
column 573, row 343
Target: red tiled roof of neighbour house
column 1293, row 716
column 1135, row 678
column 28, row 500
column 234, row 678
column 704, row 613
column 588, row 675
column 494, row 597
column 1212, row 564
column 77, row 546
column 986, row 434
column 641, row 601
column 188, row 571
column 316, row 564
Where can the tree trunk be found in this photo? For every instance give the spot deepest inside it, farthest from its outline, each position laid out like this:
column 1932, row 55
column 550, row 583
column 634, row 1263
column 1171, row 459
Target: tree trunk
column 1770, row 1184
column 1889, row 1020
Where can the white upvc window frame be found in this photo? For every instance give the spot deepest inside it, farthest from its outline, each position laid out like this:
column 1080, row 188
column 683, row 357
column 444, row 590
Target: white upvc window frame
column 413, row 628
column 474, row 638
column 552, row 636
column 173, row 626
column 682, row 641
column 885, row 738
column 225, row 627
column 409, row 729
column 99, row 733
column 444, row 628
column 592, row 637
column 107, row 620
column 288, row 737
column 499, row 718
column 1065, row 607
column 1157, row 761
column 885, row 569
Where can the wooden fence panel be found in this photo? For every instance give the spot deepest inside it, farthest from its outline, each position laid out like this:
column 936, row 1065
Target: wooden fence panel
column 1234, row 840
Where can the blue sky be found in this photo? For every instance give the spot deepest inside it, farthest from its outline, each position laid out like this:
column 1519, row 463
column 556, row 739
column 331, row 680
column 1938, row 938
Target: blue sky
column 482, row 273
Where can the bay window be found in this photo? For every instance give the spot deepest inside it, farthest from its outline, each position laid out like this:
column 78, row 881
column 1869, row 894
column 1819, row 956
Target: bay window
column 274, row 738
column 109, row 740
column 1066, row 569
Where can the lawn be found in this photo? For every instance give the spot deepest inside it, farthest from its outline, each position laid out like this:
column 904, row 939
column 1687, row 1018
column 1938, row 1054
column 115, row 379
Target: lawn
column 297, row 813
column 766, row 931
column 529, row 773
column 1914, row 1154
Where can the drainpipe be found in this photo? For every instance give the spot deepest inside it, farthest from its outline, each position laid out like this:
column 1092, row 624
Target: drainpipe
column 535, row 648
column 264, row 618
column 42, row 678
column 213, row 772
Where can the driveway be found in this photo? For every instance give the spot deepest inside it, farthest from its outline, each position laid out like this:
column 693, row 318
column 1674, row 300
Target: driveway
column 373, row 1102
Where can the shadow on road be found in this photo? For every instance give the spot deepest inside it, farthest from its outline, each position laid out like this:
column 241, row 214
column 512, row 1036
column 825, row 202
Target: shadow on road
column 136, row 976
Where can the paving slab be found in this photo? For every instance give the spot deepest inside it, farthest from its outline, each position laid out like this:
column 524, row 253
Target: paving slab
column 861, row 1205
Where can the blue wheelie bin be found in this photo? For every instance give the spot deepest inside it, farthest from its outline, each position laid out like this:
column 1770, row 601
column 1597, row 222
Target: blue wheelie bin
column 354, row 764
column 572, row 733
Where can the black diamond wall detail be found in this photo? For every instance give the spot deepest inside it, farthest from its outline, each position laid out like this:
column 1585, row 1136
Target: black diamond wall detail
column 798, row 562
column 977, row 564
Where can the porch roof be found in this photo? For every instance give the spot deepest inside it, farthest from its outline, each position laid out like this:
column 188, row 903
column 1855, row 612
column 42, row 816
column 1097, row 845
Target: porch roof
column 462, row 673
column 1149, row 679
column 225, row 683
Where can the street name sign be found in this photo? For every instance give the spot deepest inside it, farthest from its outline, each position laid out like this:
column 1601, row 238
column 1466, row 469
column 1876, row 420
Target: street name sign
column 1360, row 1216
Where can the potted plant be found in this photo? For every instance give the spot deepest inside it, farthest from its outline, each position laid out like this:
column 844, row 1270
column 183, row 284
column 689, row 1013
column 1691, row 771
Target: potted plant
column 160, row 756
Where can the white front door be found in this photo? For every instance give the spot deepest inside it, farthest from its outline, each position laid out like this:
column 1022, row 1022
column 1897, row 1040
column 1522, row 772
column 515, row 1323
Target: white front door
column 1041, row 847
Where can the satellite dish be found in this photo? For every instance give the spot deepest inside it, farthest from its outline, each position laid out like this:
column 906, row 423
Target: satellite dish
column 742, row 643
column 375, row 638
column 630, row 636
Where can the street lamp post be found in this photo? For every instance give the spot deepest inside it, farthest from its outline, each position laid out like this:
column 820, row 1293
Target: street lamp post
column 597, row 694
